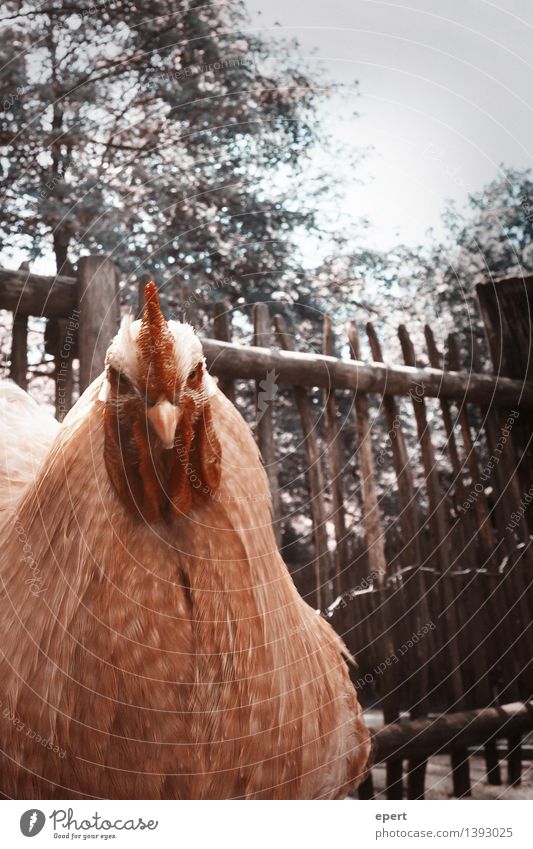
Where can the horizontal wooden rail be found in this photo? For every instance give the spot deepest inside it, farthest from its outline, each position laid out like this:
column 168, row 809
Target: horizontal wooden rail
column 55, row 297
column 426, row 737
column 34, row 294
column 231, row 361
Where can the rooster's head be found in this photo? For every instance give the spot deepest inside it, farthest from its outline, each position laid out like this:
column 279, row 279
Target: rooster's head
column 161, row 450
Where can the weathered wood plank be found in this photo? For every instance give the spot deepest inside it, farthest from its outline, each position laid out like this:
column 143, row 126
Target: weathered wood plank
column 514, row 760
column 441, row 541
column 222, row 331
column 485, row 534
column 517, row 583
column 409, row 520
column 438, row 526
column 265, row 418
column 410, row 556
column 475, row 645
column 404, row 476
column 375, row 540
column 435, row 359
column 494, row 776
column 451, row 731
column 18, row 370
column 315, row 477
column 236, row 361
column 500, row 635
column 56, row 296
column 99, row 314
column 462, row 788
column 491, row 553
column 507, row 311
column 374, row 531
column 34, row 294
column 335, row 466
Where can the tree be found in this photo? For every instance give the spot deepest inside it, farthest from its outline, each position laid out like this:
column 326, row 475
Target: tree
column 162, row 133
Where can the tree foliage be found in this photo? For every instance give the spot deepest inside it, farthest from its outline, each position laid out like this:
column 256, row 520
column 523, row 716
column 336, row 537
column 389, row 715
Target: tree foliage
column 164, row 133
column 491, row 240
column 435, row 283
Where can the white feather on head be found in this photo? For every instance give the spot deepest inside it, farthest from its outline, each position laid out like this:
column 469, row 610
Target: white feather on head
column 123, row 354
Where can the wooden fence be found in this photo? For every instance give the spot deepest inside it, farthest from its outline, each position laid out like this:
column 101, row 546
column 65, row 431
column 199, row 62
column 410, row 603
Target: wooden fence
column 82, row 316
column 436, row 603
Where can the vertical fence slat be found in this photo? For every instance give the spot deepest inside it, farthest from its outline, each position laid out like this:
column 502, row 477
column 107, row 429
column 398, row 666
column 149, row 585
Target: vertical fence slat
column 514, row 760
column 506, row 467
column 487, row 559
column 411, row 556
column 314, row 476
column 19, row 351
column 442, row 549
column 462, row 788
column 501, row 445
column 486, row 537
column 475, row 645
column 222, row 332
column 507, row 312
column 409, row 520
column 373, row 529
column 485, row 534
column 437, row 520
column 521, row 566
column 366, row 788
column 99, row 314
column 436, row 361
column 406, row 490
column 375, row 539
column 265, row 418
column 335, row 466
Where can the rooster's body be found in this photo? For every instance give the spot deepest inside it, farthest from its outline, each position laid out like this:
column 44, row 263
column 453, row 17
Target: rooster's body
column 157, row 647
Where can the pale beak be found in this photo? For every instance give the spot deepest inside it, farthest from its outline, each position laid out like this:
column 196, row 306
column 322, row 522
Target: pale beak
column 163, row 417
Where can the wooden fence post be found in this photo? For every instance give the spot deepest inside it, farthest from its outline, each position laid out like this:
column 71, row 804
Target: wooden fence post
column 375, row 540
column 99, row 314
column 412, row 556
column 315, row 477
column 222, row 332
column 335, row 467
column 265, row 421
column 441, row 543
column 19, row 351
column 507, row 311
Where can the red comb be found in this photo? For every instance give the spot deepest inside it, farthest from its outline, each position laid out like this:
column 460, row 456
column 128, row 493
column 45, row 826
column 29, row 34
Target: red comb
column 156, row 347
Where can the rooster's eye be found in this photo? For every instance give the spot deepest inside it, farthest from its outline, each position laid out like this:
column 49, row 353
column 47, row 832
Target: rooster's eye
column 192, row 375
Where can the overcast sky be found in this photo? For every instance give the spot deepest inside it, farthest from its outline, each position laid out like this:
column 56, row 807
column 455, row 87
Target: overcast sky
column 446, row 95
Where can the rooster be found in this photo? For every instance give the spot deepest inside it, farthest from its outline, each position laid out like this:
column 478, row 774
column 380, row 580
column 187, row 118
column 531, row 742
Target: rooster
column 153, row 642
